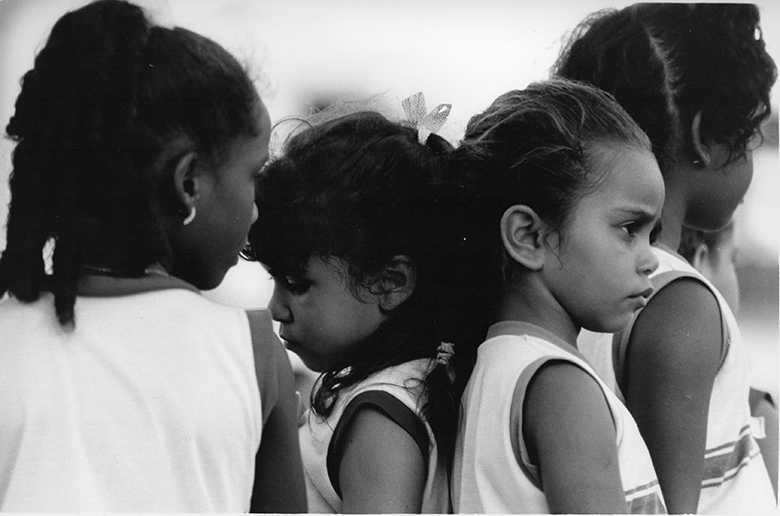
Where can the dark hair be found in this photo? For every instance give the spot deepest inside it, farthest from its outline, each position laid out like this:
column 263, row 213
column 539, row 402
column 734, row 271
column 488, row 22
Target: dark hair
column 690, row 239
column 665, row 63
column 535, row 147
column 361, row 188
column 107, row 94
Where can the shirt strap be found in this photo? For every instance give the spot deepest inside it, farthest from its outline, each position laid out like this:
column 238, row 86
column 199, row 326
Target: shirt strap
column 391, row 407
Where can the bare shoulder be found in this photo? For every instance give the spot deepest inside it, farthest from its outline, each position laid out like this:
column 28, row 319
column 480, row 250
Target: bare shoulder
column 570, row 435
column 679, row 328
column 382, row 468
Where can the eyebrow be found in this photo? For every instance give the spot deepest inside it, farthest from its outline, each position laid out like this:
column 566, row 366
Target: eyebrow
column 639, row 214
column 283, row 272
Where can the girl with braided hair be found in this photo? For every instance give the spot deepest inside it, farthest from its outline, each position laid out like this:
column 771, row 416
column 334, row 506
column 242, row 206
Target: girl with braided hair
column 123, row 389
column 696, row 78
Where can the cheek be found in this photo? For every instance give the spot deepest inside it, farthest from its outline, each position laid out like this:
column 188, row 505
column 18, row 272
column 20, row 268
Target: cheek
column 245, row 201
column 742, row 177
column 359, row 321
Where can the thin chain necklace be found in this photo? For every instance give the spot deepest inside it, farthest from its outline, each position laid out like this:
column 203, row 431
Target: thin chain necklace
column 106, row 271
column 156, row 269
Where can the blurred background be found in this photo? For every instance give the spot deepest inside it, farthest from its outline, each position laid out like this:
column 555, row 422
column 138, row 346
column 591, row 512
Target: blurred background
column 306, row 54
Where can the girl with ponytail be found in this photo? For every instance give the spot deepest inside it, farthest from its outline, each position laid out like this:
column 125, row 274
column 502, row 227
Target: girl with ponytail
column 351, row 228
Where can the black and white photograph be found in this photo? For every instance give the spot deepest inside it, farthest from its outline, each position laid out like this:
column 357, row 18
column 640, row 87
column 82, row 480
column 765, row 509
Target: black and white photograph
column 319, row 257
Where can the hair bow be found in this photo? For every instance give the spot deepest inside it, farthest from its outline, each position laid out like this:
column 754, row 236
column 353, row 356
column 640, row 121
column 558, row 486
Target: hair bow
column 426, row 122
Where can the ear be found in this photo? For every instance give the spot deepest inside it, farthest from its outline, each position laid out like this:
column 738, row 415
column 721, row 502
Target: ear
column 187, row 180
column 701, row 256
column 397, row 282
column 522, row 232
column 699, row 148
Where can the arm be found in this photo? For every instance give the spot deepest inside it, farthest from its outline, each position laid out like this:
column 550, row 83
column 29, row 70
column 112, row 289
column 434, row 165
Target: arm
column 569, row 432
column 761, row 406
column 279, row 486
column 672, row 359
column 382, row 468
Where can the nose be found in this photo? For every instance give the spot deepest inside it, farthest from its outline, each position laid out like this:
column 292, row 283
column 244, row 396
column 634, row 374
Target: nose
column 278, row 307
column 648, row 261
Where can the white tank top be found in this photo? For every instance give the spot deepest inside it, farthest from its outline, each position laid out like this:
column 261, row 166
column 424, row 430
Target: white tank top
column 492, row 472
column 735, row 478
column 150, row 404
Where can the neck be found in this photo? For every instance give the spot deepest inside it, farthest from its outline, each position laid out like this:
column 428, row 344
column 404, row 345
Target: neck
column 94, row 270
column 672, row 217
column 102, row 285
column 527, row 301
column 106, row 282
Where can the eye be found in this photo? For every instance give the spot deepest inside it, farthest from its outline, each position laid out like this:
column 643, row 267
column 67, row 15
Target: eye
column 630, row 228
column 291, row 284
column 296, row 285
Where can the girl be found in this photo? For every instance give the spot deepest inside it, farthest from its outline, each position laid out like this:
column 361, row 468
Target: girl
column 347, row 229
column 137, row 149
column 566, row 196
column 696, row 78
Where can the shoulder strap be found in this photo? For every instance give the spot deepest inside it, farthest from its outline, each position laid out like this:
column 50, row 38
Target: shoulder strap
column 268, row 350
column 391, row 407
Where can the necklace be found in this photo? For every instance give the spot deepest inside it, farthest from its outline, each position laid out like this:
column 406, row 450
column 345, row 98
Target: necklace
column 157, row 269
column 107, row 271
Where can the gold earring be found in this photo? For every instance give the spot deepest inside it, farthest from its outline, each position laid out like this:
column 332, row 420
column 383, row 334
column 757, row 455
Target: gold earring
column 706, row 160
column 190, row 217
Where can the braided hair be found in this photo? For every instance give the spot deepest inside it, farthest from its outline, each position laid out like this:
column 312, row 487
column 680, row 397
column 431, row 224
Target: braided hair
column 664, row 63
column 107, row 94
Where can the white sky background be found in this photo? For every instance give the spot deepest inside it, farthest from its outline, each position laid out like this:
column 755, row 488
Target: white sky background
column 463, row 52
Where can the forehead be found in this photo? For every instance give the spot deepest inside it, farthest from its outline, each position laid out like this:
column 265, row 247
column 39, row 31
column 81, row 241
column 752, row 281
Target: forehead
column 264, row 119
column 628, row 177
column 252, row 150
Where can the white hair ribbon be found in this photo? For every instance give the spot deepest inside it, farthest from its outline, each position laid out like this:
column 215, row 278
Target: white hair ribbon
column 417, row 113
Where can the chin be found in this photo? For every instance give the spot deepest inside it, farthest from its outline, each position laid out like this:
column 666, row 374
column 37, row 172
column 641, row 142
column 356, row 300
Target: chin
column 621, row 325
column 201, row 281
column 312, row 364
column 614, row 325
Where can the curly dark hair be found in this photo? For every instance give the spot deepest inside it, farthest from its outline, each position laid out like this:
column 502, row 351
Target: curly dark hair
column 666, row 62
column 107, row 94
column 361, row 188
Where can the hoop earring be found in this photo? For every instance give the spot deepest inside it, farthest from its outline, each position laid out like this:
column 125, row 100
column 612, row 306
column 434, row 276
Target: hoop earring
column 190, row 217
column 706, row 160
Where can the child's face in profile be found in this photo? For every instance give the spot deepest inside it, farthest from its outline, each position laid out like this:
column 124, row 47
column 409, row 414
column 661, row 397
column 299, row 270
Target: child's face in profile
column 599, row 273
column 321, row 318
column 226, row 209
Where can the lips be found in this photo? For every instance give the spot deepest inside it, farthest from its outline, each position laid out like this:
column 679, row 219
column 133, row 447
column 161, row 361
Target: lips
column 288, row 343
column 640, row 300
